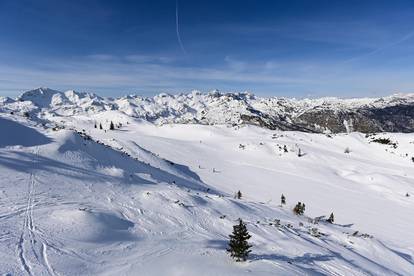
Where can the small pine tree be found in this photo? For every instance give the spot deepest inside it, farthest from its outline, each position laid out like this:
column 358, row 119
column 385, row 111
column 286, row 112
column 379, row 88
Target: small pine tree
column 111, row 126
column 299, row 208
column 296, row 209
column 239, row 248
column 331, row 218
column 285, row 149
column 100, row 126
column 238, row 195
column 283, row 200
column 96, row 126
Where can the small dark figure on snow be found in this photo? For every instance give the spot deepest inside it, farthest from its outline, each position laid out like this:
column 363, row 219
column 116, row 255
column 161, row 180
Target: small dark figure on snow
column 299, row 208
column 100, row 126
column 283, row 200
column 238, row 195
column 331, row 218
column 407, row 195
column 285, row 149
column 112, row 126
column 239, row 248
column 96, row 126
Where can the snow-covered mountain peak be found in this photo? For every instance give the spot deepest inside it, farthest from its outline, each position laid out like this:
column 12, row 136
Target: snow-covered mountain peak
column 41, row 97
column 312, row 115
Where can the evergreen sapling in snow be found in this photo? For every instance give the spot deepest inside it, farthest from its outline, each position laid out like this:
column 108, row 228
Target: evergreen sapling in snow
column 283, row 200
column 239, row 248
column 331, row 218
column 299, row 208
column 111, row 126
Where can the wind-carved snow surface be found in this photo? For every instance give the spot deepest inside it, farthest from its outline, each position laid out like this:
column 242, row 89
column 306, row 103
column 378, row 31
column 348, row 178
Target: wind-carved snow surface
column 158, row 200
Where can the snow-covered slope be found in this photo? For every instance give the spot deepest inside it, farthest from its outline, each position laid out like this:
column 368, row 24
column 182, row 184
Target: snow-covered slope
column 393, row 114
column 158, row 200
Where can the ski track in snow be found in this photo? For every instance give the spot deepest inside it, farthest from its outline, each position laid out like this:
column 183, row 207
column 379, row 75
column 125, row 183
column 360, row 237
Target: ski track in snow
column 28, row 240
column 27, row 225
column 96, row 209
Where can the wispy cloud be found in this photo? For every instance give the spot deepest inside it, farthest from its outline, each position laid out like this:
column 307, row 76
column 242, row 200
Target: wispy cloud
column 147, row 75
column 139, row 73
column 132, row 58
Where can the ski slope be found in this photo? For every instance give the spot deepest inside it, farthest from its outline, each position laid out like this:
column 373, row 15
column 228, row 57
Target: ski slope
column 158, row 200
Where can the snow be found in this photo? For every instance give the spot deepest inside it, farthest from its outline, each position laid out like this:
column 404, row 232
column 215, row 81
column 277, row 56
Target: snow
column 89, row 226
column 154, row 199
column 15, row 134
column 195, row 107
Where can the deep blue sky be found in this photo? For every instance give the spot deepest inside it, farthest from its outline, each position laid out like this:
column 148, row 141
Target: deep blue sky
column 280, row 48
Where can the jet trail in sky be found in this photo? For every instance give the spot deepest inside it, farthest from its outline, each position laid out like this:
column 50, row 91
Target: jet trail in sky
column 383, row 48
column 177, row 29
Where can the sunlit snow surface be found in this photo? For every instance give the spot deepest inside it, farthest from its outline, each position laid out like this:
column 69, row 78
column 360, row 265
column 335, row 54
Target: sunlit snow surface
column 158, row 200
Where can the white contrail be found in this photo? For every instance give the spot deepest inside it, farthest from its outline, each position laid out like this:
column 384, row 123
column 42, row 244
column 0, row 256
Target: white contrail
column 177, row 29
column 386, row 47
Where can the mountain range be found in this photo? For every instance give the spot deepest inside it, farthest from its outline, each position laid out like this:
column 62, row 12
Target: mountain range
column 394, row 113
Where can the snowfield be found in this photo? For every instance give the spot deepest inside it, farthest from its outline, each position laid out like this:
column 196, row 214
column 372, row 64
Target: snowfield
column 149, row 199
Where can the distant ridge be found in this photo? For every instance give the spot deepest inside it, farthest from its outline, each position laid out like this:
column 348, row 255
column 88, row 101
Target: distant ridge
column 394, row 113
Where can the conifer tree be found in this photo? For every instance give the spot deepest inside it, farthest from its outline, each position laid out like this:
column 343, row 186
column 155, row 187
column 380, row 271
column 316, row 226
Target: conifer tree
column 239, row 248
column 299, row 208
column 95, row 125
column 111, row 126
column 331, row 218
column 283, row 200
column 100, row 126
